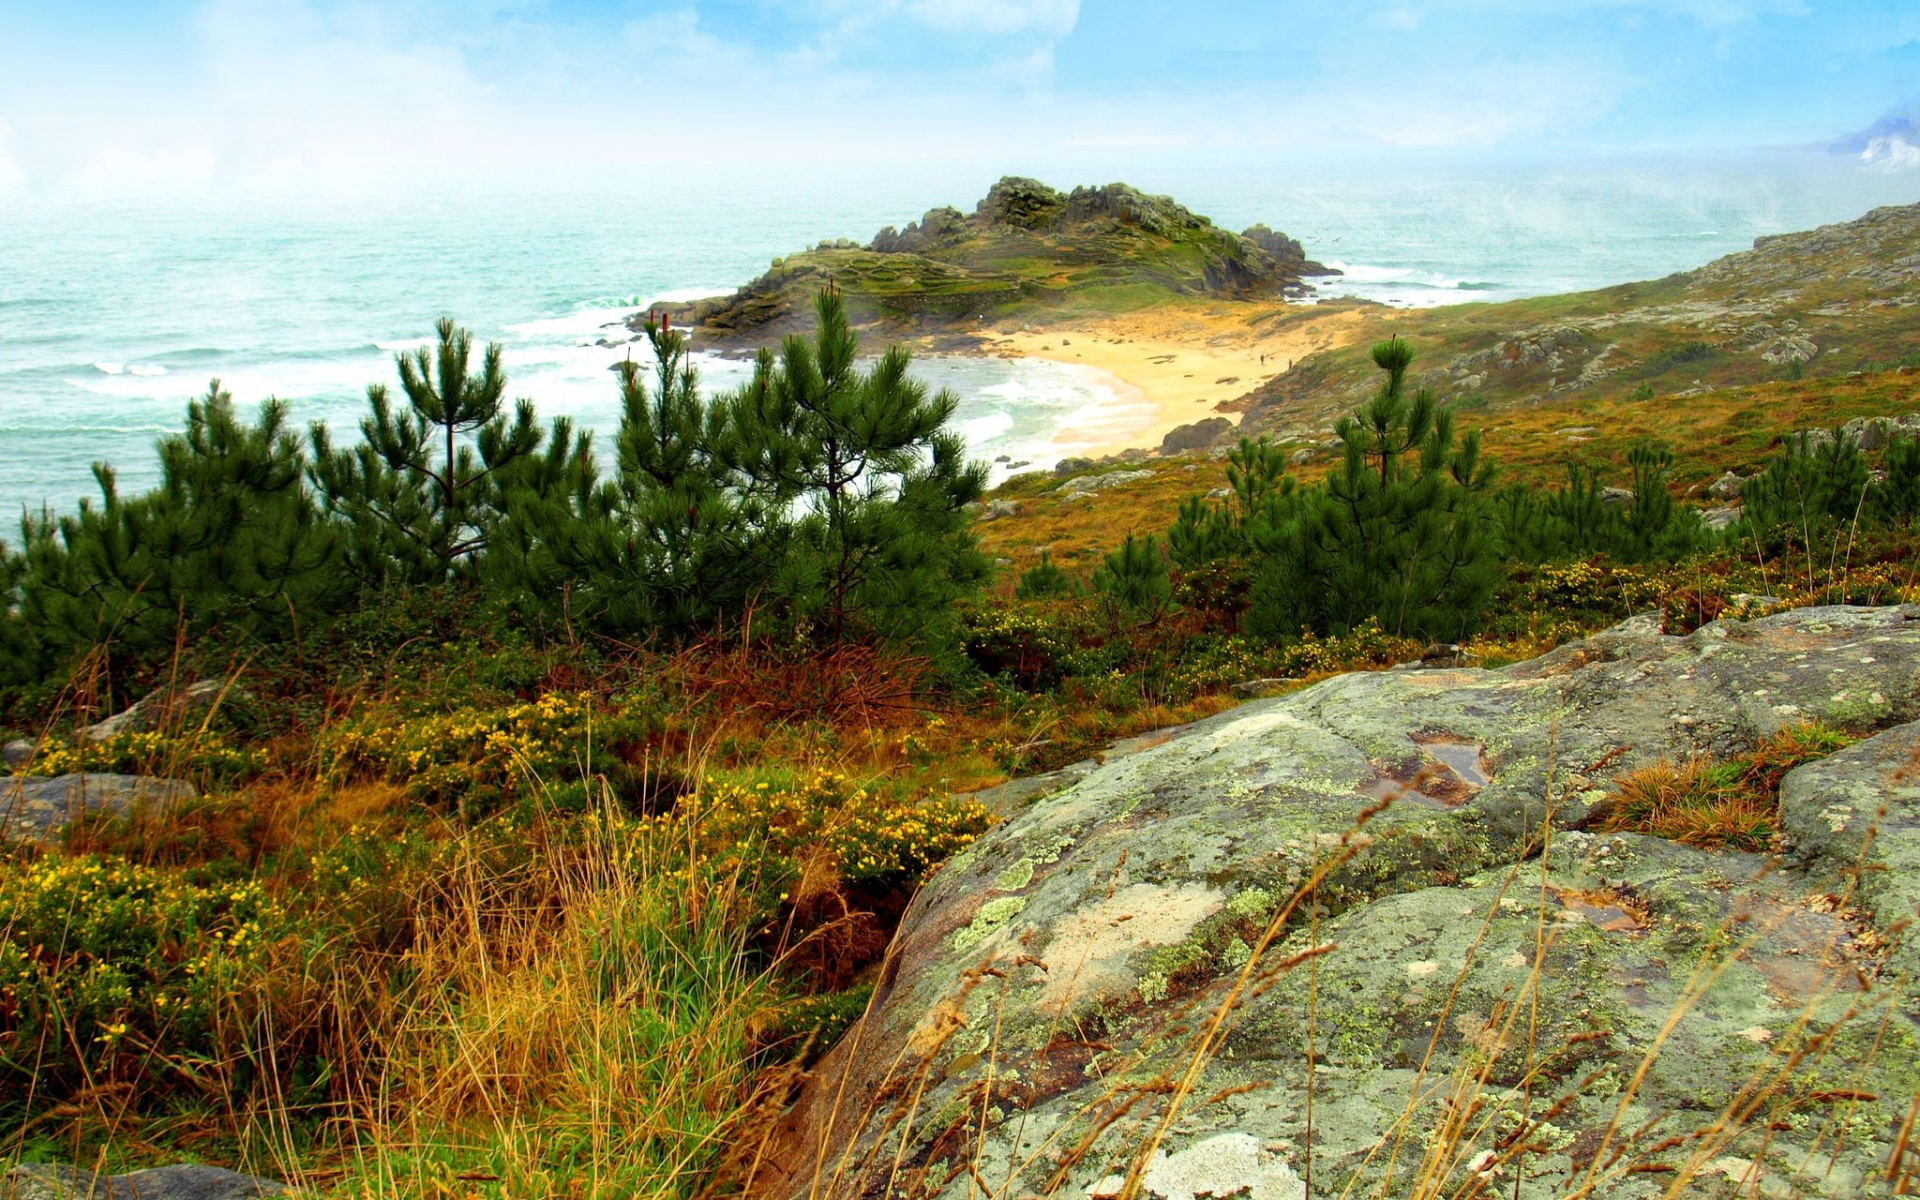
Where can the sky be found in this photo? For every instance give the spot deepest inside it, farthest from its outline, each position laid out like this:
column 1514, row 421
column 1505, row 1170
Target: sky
column 113, row 95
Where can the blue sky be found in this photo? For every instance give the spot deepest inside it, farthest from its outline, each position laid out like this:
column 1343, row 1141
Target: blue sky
column 112, row 93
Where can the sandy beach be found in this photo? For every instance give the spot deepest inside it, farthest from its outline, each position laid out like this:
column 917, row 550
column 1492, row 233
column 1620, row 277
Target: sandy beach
column 1170, row 366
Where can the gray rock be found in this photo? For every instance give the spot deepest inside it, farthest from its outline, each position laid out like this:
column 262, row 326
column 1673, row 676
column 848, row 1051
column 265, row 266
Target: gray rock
column 1727, row 487
column 1300, row 457
column 1068, row 466
column 1006, row 799
column 38, row 809
column 1617, row 496
column 1789, row 349
column 1869, row 433
column 1084, row 485
column 1855, row 816
column 1722, row 517
column 1260, row 689
column 184, row 1182
column 996, row 509
column 1049, row 985
column 1197, row 436
column 18, row 752
column 162, row 708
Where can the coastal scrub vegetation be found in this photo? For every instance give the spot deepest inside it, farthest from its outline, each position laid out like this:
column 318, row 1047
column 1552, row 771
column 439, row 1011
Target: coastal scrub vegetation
column 556, row 804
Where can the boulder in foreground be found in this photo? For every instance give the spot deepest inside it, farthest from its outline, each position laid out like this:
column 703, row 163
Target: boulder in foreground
column 1488, row 993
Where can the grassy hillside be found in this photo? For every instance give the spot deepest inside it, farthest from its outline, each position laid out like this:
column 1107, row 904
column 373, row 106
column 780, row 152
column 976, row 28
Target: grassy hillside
column 1815, row 305
column 1727, row 429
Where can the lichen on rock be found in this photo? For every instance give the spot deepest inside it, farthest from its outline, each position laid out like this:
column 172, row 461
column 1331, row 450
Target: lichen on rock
column 1466, row 926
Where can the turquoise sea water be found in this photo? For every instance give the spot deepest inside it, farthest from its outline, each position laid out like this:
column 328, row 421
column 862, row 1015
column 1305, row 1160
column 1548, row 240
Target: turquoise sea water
column 113, row 313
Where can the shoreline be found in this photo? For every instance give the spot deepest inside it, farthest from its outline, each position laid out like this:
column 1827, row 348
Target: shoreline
column 1169, row 366
column 1161, row 367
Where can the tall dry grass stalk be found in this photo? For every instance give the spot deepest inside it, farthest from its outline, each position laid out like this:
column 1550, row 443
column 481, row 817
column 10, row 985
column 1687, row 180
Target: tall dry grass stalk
column 578, row 1024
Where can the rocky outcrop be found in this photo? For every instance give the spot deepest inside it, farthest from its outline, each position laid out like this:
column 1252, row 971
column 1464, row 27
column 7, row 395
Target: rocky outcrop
column 1878, row 248
column 1087, row 485
column 184, row 1182
column 1197, row 436
column 1371, row 930
column 168, row 707
column 39, row 809
column 1025, row 245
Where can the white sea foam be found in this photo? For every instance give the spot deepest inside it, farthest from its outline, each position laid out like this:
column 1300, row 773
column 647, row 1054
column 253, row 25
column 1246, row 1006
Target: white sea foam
column 982, row 429
column 109, row 368
column 147, row 370
column 598, row 321
column 1405, row 276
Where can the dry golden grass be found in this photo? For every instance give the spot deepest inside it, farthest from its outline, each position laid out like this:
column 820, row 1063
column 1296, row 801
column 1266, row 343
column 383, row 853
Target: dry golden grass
column 1718, row 806
column 1733, row 429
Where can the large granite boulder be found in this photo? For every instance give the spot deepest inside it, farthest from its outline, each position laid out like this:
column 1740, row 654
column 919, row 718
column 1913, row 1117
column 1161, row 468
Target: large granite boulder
column 37, row 809
column 189, row 1181
column 1368, row 936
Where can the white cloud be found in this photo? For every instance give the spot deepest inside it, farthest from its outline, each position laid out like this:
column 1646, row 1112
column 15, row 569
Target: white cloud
column 292, row 81
column 1049, row 18
column 125, row 166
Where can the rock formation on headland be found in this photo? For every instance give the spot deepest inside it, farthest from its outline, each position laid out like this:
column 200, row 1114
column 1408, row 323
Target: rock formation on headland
column 1492, row 991
column 1025, row 245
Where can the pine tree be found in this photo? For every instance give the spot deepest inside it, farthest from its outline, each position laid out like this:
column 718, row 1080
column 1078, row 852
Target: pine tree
column 1261, row 495
column 1399, row 533
column 1134, row 584
column 1896, row 498
column 1809, row 488
column 419, row 499
column 1044, row 581
column 667, row 543
column 881, row 544
column 230, row 539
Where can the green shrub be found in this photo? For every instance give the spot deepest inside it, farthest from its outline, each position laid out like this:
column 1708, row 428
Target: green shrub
column 1134, row 583
column 483, row 756
column 112, row 972
column 770, row 833
column 206, row 756
column 1044, row 581
column 1033, row 646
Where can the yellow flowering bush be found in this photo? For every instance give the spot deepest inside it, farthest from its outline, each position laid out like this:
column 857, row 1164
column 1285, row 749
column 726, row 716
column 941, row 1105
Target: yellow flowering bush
column 202, row 754
column 1593, row 585
column 867, row 836
column 104, row 961
column 479, row 756
column 1033, row 644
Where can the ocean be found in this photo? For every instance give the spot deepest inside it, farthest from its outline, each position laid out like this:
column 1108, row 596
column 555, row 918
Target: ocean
column 114, row 312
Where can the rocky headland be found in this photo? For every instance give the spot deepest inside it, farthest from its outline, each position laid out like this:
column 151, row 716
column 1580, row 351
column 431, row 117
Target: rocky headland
column 1024, row 249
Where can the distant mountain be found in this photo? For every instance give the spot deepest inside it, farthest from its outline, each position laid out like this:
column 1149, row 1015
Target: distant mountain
column 1894, row 138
